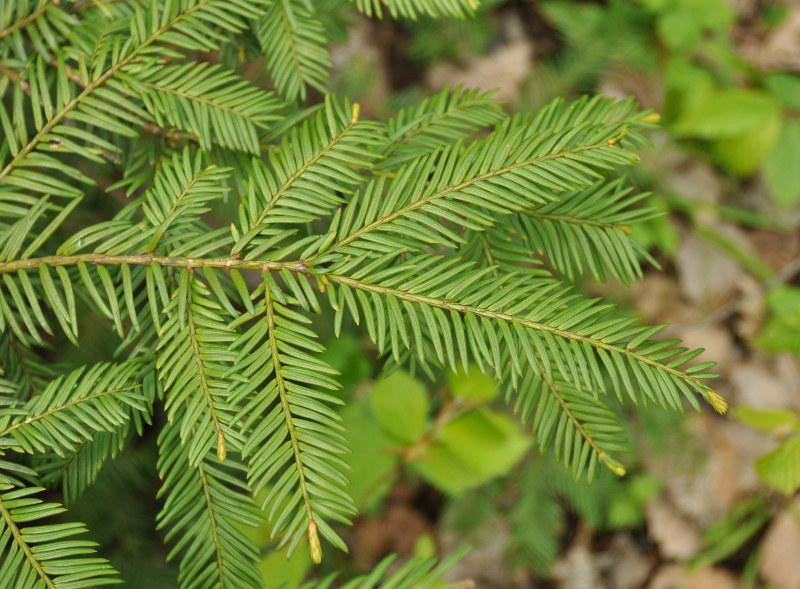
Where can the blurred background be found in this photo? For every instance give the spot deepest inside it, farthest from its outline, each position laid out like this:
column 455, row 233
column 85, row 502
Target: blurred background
column 708, row 502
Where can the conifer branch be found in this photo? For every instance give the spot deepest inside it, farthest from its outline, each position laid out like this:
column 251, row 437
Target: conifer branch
column 49, row 557
column 455, row 189
column 286, row 409
column 92, row 86
column 211, row 404
column 531, row 324
column 147, row 126
column 19, row 540
column 213, row 524
column 26, row 20
column 554, row 391
column 205, row 507
column 304, row 267
column 65, row 407
column 302, row 169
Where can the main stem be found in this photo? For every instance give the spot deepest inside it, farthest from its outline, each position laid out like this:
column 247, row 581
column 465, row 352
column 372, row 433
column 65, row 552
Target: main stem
column 148, row 260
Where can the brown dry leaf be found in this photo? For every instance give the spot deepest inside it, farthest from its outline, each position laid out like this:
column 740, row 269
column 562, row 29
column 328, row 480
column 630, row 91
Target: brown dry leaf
column 776, row 249
column 485, row 563
column 745, row 8
column 704, row 479
column 781, row 49
column 787, row 369
column 626, row 566
column 622, row 82
column 396, row 531
column 751, row 309
column 695, row 180
column 780, row 564
column 578, row 568
column 749, row 445
column 505, row 68
column 677, row 577
column 671, row 576
column 717, row 342
column 707, row 276
column 656, row 298
column 676, row 537
column 765, row 383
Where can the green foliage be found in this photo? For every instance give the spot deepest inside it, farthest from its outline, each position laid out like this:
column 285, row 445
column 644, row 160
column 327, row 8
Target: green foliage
column 600, row 218
column 779, row 469
column 597, row 39
column 780, row 332
column 400, row 405
column 782, row 176
column 465, row 444
column 476, row 386
column 471, row 449
column 412, row 9
column 417, row 573
column 743, row 124
column 450, row 234
column 785, row 87
column 208, row 102
column 438, row 121
column 373, row 459
column 734, row 530
column 727, row 114
column 434, row 39
column 683, row 23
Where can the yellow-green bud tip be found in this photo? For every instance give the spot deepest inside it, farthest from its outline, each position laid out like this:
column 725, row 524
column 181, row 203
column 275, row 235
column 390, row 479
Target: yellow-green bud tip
column 718, row 402
column 652, row 118
column 313, row 541
column 356, row 112
column 612, row 464
column 222, row 452
column 614, row 140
